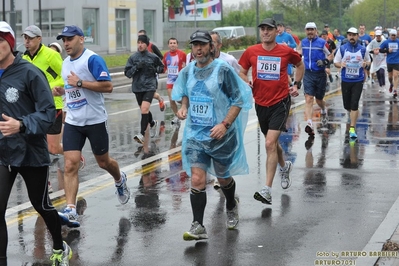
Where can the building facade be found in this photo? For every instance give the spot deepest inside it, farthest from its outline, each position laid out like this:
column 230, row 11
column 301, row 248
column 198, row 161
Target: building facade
column 110, row 26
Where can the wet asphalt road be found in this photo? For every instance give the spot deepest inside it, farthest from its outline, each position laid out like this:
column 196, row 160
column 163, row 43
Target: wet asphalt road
column 340, row 194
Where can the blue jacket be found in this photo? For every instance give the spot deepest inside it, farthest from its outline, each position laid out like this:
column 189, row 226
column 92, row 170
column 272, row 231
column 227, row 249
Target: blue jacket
column 312, row 51
column 287, row 38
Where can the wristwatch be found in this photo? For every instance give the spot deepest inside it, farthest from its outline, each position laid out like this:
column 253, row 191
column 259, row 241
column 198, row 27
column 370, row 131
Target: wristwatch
column 22, row 126
column 298, row 84
column 79, row 83
column 227, row 125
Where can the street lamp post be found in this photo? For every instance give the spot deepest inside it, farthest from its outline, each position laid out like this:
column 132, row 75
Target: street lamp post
column 257, row 21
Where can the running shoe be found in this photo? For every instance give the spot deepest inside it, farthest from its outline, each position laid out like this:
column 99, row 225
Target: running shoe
column 395, row 94
column 264, row 195
column 161, row 104
column 122, row 191
column 69, row 217
column 232, row 217
column 309, row 130
column 154, row 130
column 352, row 133
column 61, row 257
column 285, row 175
column 390, row 88
column 82, row 162
column 196, row 232
column 139, row 138
column 216, row 184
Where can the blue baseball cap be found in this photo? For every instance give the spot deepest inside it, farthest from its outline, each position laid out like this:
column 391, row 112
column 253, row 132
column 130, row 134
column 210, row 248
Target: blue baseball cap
column 70, row 31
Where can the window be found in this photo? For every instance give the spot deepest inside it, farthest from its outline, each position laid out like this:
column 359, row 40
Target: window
column 53, row 21
column 149, row 20
column 90, row 23
column 18, row 21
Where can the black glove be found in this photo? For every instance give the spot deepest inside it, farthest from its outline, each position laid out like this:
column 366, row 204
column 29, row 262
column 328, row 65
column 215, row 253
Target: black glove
column 322, row 63
column 140, row 65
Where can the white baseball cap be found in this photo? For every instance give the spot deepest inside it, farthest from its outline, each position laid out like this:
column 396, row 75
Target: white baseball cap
column 352, row 30
column 56, row 44
column 5, row 27
column 393, row 32
column 378, row 32
column 310, row 25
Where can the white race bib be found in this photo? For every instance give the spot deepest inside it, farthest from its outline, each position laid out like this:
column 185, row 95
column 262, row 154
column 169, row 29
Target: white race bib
column 75, row 97
column 393, row 46
column 201, row 111
column 268, row 67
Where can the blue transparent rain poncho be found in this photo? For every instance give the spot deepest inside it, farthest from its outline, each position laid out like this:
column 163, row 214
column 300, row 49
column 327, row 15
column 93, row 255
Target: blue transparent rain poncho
column 218, row 87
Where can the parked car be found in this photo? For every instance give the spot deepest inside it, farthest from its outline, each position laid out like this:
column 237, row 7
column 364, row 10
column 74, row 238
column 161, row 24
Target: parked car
column 231, row 32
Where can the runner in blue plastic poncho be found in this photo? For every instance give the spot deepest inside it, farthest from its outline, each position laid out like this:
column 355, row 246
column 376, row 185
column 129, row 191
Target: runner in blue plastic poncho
column 215, row 102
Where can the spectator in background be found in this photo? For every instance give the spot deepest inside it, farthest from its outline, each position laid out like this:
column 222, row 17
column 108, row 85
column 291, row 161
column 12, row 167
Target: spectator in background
column 56, row 47
column 391, row 47
column 338, row 38
column 174, row 60
column 286, row 39
column 365, row 39
column 152, row 48
column 329, row 34
column 50, row 62
column 217, row 42
column 288, row 29
column 379, row 64
column 331, row 47
column 142, row 67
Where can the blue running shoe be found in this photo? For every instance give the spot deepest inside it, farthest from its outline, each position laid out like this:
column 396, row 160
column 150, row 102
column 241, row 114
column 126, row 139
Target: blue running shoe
column 69, row 218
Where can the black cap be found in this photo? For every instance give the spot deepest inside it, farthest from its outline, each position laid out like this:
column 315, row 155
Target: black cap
column 324, row 32
column 326, row 25
column 200, row 36
column 268, row 22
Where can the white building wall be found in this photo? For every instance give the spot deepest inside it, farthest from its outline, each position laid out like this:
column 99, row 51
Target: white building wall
column 106, row 19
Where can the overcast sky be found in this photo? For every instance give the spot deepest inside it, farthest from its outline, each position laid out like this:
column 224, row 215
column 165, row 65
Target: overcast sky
column 232, row 2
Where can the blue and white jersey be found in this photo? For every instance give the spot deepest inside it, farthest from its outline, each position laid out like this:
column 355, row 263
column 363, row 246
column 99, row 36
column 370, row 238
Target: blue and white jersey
column 353, row 56
column 85, row 107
